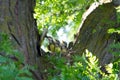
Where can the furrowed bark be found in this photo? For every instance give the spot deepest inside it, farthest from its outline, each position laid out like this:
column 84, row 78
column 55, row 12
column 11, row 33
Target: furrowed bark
column 93, row 33
column 17, row 21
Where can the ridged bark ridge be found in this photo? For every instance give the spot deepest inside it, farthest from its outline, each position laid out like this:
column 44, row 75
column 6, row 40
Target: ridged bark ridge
column 93, row 32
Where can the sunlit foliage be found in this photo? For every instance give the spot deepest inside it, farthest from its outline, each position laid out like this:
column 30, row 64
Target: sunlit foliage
column 56, row 14
column 81, row 68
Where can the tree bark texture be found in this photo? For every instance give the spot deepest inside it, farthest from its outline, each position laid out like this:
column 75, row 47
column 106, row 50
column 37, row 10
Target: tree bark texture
column 93, row 33
column 16, row 19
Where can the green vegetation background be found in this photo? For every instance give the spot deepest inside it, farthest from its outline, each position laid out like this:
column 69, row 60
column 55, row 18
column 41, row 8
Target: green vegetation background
column 56, row 15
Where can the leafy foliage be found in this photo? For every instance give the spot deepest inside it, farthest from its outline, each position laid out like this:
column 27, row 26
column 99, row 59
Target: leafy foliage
column 10, row 67
column 81, row 68
column 115, row 50
column 57, row 14
column 54, row 15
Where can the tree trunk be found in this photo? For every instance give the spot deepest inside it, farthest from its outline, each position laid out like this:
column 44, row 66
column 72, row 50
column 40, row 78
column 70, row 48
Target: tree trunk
column 93, row 33
column 17, row 20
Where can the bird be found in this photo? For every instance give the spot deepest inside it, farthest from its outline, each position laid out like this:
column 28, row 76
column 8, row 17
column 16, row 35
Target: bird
column 51, row 46
column 64, row 47
column 57, row 46
column 70, row 45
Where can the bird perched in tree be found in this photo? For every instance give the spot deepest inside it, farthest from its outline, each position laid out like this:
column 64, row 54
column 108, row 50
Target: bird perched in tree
column 51, row 46
column 64, row 47
column 70, row 45
column 57, row 46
